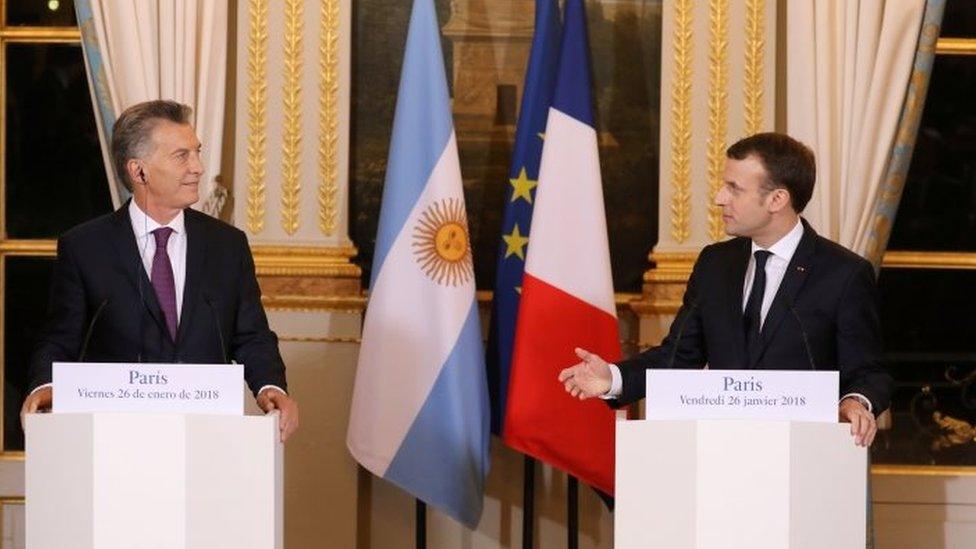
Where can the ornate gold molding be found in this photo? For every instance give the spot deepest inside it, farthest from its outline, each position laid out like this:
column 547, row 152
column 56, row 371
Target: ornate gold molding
column 755, row 46
column 328, row 115
column 352, row 304
column 292, row 115
column 257, row 87
column 681, row 123
column 664, row 284
column 42, row 248
column 929, row 260
column 956, row 46
column 319, row 339
column 923, row 470
column 305, row 278
column 305, row 261
column 717, row 109
column 41, row 34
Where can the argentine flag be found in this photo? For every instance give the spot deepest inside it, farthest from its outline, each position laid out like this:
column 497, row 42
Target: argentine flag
column 420, row 414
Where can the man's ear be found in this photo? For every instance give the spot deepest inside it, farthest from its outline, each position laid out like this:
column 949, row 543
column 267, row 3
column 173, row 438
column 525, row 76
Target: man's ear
column 135, row 170
column 779, row 199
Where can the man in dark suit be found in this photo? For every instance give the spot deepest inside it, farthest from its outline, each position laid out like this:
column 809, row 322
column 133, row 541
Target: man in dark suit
column 157, row 281
column 778, row 296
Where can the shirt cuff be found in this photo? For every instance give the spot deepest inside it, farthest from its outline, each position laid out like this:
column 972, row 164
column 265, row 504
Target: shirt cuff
column 39, row 387
column 616, row 383
column 860, row 398
column 266, row 387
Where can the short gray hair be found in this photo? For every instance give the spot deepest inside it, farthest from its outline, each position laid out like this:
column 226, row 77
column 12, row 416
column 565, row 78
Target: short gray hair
column 132, row 132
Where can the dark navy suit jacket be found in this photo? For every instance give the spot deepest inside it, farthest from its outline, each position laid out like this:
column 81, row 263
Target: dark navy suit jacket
column 98, row 263
column 833, row 293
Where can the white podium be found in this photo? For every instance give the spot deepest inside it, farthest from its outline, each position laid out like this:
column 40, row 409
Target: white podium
column 730, row 484
column 167, row 481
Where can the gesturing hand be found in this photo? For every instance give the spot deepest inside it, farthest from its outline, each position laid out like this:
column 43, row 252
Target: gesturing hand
column 588, row 378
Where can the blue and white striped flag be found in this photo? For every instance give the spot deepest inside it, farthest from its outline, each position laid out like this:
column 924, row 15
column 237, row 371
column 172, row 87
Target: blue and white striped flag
column 420, row 416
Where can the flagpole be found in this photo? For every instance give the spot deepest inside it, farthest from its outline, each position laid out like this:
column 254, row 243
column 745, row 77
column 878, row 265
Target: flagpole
column 528, row 502
column 421, row 525
column 572, row 512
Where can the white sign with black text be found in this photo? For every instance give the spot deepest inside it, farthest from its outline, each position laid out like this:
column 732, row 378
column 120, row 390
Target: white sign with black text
column 85, row 387
column 742, row 394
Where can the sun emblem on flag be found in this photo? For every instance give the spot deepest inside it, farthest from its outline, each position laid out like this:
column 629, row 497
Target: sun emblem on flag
column 441, row 244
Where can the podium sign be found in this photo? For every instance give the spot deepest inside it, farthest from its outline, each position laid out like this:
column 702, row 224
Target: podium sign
column 742, row 394
column 162, row 388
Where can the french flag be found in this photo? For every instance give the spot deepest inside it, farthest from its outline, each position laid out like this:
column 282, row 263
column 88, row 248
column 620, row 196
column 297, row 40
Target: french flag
column 567, row 290
column 420, row 416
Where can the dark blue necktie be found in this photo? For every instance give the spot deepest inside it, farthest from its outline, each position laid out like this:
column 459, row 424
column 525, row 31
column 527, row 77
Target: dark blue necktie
column 752, row 316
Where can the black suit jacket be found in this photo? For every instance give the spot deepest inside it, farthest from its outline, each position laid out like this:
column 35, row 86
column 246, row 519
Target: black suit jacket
column 98, row 266
column 831, row 289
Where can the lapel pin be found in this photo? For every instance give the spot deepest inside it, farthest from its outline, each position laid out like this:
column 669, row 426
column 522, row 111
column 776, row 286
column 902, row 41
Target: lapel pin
column 801, row 269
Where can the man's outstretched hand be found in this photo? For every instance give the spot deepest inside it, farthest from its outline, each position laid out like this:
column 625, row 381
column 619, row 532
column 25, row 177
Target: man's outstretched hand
column 588, row 378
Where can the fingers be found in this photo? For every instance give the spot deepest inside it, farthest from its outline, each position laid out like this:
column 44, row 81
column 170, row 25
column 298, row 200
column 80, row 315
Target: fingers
column 264, row 402
column 583, row 354
column 872, row 431
column 288, row 420
column 568, row 373
column 856, row 428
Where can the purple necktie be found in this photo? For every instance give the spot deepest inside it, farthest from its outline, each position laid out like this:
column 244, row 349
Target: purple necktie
column 162, row 279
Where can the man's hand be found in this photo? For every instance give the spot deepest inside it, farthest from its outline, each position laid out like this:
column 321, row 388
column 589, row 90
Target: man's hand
column 587, row 379
column 863, row 424
column 39, row 400
column 273, row 399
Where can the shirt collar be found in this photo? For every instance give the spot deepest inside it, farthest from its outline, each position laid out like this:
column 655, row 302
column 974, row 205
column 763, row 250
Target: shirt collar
column 785, row 247
column 143, row 225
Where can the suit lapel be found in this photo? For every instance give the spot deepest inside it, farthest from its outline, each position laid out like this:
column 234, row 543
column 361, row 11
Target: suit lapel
column 736, row 279
column 124, row 240
column 196, row 252
column 796, row 274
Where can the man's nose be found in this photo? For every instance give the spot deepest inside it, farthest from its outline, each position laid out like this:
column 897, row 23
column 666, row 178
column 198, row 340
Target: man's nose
column 721, row 197
column 196, row 163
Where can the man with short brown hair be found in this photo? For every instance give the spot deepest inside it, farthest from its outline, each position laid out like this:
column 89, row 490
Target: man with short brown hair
column 157, row 281
column 778, row 296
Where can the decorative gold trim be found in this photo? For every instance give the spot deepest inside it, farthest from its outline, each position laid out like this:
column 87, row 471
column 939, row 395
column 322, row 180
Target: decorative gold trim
column 325, row 339
column 755, row 46
column 305, row 261
column 923, row 470
column 292, row 114
column 681, row 123
column 717, row 109
column 257, row 74
column 328, row 115
column 40, row 34
column 315, row 303
column 671, row 266
column 620, row 299
column 4, row 502
column 44, row 248
column 928, row 260
column 955, row 46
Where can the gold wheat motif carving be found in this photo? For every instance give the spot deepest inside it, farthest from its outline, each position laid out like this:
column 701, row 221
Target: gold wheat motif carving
column 755, row 48
column 292, row 118
column 717, row 109
column 257, row 56
column 681, row 123
column 328, row 115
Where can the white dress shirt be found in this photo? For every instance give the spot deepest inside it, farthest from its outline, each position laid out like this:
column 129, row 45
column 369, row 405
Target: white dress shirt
column 782, row 253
